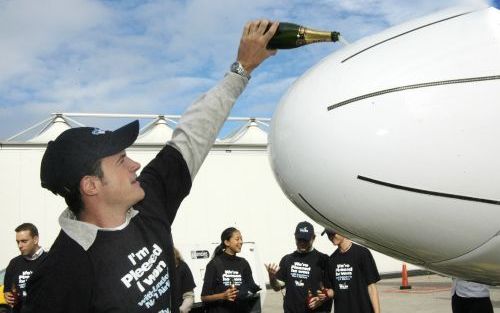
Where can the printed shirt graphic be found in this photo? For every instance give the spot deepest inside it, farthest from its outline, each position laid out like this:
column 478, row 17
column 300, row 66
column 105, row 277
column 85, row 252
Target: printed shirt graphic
column 22, row 279
column 231, row 277
column 149, row 261
column 343, row 275
column 353, row 271
column 141, row 275
column 302, row 272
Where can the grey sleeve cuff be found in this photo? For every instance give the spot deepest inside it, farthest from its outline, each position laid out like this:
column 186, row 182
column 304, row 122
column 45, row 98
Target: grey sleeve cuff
column 187, row 302
column 200, row 124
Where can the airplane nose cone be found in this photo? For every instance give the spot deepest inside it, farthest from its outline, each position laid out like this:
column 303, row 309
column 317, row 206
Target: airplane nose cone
column 393, row 139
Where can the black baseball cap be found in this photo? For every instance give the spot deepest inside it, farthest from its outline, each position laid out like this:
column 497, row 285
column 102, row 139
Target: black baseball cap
column 329, row 232
column 304, row 231
column 75, row 151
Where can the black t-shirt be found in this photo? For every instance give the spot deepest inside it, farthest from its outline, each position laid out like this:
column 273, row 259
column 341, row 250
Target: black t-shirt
column 128, row 270
column 302, row 272
column 18, row 272
column 185, row 281
column 353, row 271
column 221, row 271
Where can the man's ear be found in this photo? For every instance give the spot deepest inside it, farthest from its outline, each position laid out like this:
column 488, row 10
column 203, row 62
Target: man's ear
column 35, row 239
column 89, row 185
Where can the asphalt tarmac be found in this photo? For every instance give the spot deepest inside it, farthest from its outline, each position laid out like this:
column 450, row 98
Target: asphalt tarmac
column 429, row 294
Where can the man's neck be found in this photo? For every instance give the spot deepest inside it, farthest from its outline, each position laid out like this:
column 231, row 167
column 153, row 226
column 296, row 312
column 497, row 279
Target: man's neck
column 345, row 245
column 104, row 217
column 37, row 251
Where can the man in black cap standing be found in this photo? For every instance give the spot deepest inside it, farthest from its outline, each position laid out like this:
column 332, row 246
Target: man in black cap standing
column 304, row 274
column 354, row 276
column 115, row 252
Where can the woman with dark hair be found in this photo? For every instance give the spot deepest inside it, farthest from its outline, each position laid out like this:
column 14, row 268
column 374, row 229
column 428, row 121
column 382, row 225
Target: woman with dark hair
column 228, row 285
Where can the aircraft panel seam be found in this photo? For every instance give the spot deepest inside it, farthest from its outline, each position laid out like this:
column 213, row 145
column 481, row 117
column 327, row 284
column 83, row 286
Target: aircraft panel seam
column 414, row 86
column 402, row 34
column 428, row 192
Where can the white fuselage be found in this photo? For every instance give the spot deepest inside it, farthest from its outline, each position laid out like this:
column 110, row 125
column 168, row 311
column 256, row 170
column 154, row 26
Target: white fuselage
column 394, row 141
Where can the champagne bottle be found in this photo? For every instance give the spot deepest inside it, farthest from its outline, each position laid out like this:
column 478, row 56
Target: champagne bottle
column 289, row 36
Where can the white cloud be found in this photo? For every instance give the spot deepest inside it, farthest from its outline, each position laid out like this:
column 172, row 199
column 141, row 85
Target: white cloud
column 31, row 29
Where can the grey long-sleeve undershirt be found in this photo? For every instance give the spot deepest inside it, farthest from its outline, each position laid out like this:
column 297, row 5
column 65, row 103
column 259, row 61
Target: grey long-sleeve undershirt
column 200, row 124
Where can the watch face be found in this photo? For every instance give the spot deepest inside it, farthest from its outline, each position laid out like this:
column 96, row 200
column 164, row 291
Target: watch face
column 238, row 69
column 235, row 67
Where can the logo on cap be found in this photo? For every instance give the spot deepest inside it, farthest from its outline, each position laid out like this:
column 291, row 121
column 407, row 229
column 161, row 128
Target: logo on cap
column 304, row 230
column 98, row 131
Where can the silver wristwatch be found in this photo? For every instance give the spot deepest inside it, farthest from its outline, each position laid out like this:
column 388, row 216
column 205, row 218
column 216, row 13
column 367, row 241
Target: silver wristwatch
column 237, row 68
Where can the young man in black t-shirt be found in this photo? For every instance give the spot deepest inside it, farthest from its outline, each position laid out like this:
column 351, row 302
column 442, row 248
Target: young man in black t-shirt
column 354, row 275
column 115, row 252
column 21, row 267
column 304, row 275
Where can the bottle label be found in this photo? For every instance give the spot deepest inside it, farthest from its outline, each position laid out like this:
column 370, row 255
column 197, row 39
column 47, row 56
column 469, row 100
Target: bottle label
column 312, row 36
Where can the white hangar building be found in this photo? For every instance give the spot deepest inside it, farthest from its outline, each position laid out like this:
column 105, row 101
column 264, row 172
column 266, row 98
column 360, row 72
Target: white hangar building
column 234, row 187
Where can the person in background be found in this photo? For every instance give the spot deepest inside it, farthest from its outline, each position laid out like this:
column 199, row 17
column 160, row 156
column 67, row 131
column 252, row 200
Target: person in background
column 21, row 267
column 184, row 291
column 470, row 297
column 354, row 275
column 304, row 274
column 228, row 286
column 114, row 252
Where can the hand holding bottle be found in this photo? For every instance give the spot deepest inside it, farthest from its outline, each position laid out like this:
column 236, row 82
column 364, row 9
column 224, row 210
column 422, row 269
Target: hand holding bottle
column 9, row 298
column 230, row 294
column 324, row 294
column 252, row 50
column 12, row 297
column 313, row 301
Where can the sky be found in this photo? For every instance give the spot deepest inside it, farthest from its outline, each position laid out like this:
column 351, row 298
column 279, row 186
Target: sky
column 158, row 56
